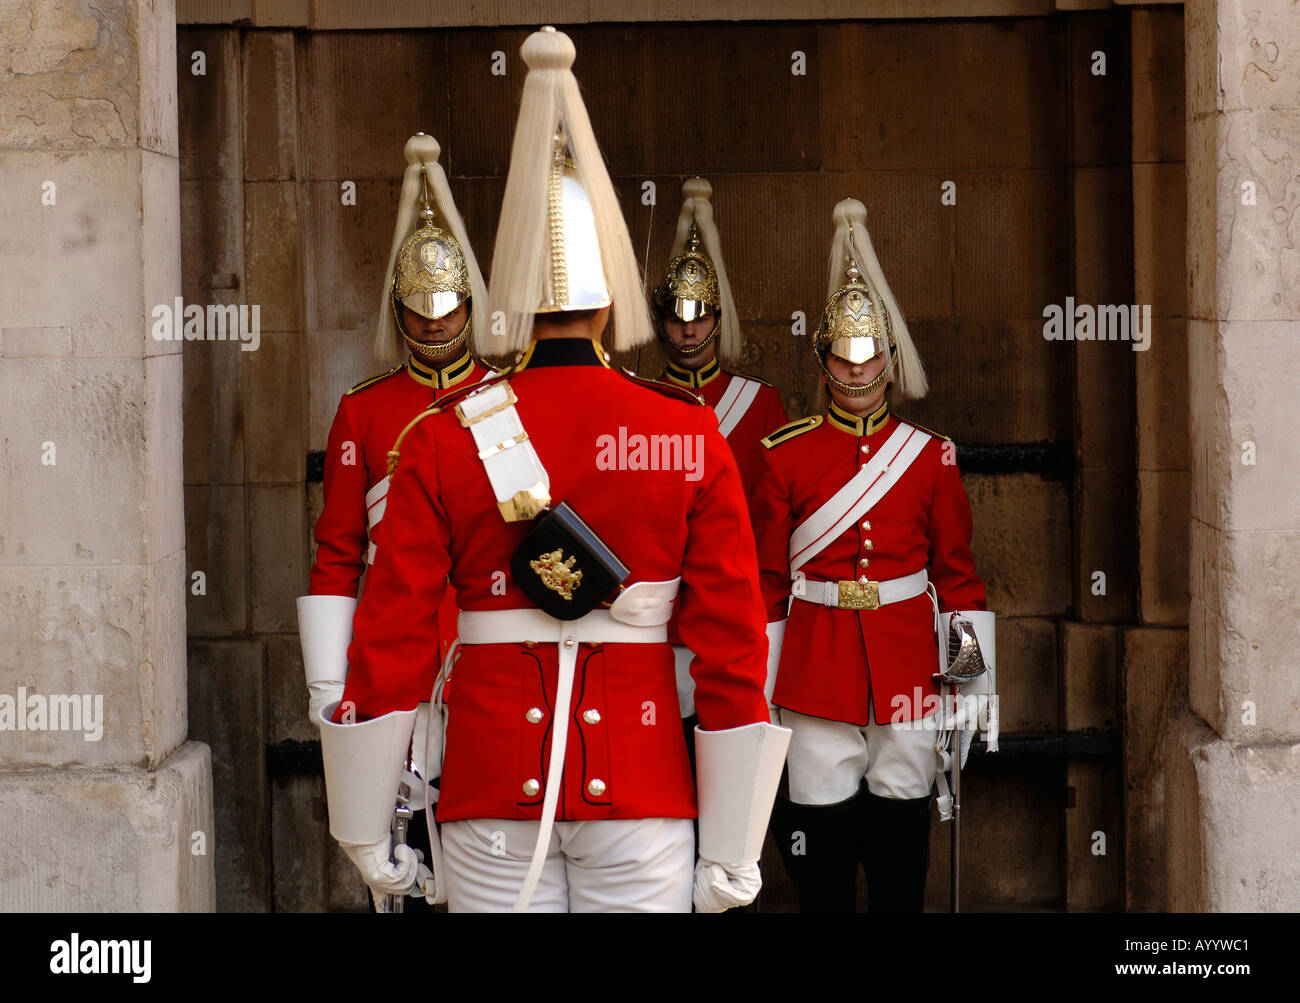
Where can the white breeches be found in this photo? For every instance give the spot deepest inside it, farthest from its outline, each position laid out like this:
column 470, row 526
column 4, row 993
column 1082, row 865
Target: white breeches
column 616, row 865
column 829, row 759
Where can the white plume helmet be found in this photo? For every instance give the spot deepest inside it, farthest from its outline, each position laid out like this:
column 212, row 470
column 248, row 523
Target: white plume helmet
column 852, row 243
column 422, row 154
column 697, row 210
column 524, row 260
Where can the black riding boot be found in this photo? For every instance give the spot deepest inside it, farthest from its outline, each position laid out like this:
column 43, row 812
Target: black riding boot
column 818, row 845
column 896, row 853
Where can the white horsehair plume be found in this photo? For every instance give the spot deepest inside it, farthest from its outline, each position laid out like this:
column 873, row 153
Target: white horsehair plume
column 697, row 208
column 422, row 154
column 852, row 240
column 552, row 103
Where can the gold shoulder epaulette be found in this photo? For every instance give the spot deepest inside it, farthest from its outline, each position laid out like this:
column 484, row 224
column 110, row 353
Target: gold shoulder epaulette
column 938, row 435
column 372, row 380
column 395, row 452
column 791, row 430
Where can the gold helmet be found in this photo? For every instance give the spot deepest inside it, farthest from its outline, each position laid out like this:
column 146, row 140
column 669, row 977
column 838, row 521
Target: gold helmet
column 562, row 243
column 695, row 282
column 431, row 269
column 861, row 319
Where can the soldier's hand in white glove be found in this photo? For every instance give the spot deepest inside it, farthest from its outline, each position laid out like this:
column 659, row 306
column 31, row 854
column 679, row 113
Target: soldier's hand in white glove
column 718, row 888
column 404, row 876
column 323, row 692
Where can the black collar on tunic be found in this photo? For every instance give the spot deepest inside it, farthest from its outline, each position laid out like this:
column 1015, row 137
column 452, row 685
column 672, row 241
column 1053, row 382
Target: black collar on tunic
column 563, row 352
column 693, row 377
column 847, row 421
column 440, row 376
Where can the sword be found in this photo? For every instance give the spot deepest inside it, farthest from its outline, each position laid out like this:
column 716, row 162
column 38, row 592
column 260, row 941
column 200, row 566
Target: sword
column 401, row 823
column 965, row 662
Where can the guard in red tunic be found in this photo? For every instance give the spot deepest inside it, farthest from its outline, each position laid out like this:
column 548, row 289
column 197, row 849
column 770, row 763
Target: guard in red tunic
column 863, row 532
column 564, row 781
column 433, row 296
column 696, row 320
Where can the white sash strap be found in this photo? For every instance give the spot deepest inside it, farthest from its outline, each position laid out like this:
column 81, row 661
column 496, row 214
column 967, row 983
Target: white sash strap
column 376, row 503
column 735, row 402
column 509, row 459
column 891, row 591
column 858, row 496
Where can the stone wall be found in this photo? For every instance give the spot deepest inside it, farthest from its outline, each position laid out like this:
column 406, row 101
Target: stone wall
column 1066, row 184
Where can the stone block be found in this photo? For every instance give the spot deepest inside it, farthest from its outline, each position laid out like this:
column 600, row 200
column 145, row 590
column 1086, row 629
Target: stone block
column 163, row 505
column 1105, row 564
column 914, row 96
column 991, row 382
column 271, row 255
column 1160, row 375
column 93, row 227
column 1157, row 45
column 1238, row 847
column 1245, row 477
column 213, row 413
column 1163, row 546
column 278, row 538
column 1021, row 543
column 209, row 103
column 1099, row 87
column 1258, row 66
column 1011, row 832
column 161, row 676
column 1027, row 675
column 299, row 834
column 72, row 75
column 127, row 838
column 160, row 242
column 345, row 252
column 93, row 632
column 212, row 241
column 356, row 121
column 286, row 692
column 270, row 106
column 216, row 545
column 73, row 457
column 1011, row 254
column 1089, row 677
column 656, row 125
column 1154, row 663
column 1206, row 189
column 227, row 698
column 1102, row 203
column 1093, row 850
column 273, row 405
column 1243, row 635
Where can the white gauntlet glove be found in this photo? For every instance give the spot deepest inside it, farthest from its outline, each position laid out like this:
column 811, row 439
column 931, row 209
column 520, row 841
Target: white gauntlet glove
column 406, row 876
column 324, row 693
column 718, row 888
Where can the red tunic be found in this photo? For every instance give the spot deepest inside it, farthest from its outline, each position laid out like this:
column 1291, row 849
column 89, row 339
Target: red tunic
column 832, row 660
column 764, row 413
column 369, row 418
column 443, row 519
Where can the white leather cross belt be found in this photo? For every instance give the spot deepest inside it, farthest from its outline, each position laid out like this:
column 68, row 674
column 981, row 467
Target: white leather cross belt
column 859, row 595
column 514, row 626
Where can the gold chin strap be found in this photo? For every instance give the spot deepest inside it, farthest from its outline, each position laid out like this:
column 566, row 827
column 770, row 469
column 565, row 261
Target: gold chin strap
column 848, row 389
column 438, row 352
column 687, row 352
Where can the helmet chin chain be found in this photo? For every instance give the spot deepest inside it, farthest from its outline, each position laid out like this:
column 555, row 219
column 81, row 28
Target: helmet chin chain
column 689, row 352
column 852, row 390
column 439, row 351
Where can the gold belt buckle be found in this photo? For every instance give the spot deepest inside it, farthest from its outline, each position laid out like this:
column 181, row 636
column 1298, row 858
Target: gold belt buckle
column 856, row 595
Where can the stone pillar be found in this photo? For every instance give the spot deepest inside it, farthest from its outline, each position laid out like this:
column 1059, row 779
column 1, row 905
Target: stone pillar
column 1233, row 791
column 112, row 810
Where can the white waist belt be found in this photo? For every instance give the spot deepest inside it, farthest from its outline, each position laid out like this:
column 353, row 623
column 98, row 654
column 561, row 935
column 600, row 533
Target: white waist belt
column 510, row 626
column 856, row 595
